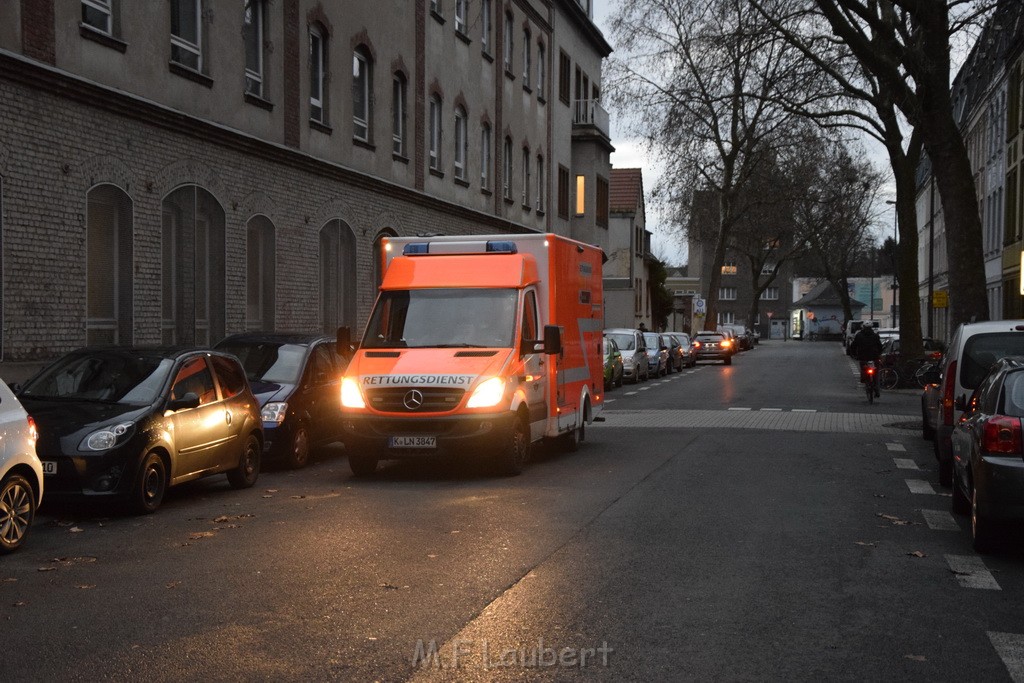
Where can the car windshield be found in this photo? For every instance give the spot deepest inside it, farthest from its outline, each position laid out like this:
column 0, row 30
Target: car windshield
column 651, row 341
column 982, row 350
column 1013, row 394
column 624, row 340
column 710, row 337
column 424, row 318
column 114, row 377
column 268, row 361
column 607, row 348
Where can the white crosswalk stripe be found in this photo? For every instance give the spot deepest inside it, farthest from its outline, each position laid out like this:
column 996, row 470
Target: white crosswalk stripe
column 940, row 520
column 1010, row 647
column 905, row 464
column 971, row 572
column 920, row 486
column 896, row 447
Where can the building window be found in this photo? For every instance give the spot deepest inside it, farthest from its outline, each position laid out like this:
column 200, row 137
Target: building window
column 317, row 77
column 542, row 66
column 186, row 33
column 509, row 51
column 252, row 35
column 193, row 268
column 726, row 318
column 337, row 276
column 527, row 66
column 563, row 192
column 485, row 156
column 109, row 249
column 564, row 76
column 727, row 293
column 770, row 294
column 506, row 179
column 485, row 26
column 362, row 87
column 460, row 15
column 581, row 195
column 601, row 217
column 435, row 132
column 435, row 7
column 260, row 276
column 768, row 269
column 98, row 14
column 526, row 177
column 540, row 184
column 460, row 143
column 729, row 267
column 398, row 114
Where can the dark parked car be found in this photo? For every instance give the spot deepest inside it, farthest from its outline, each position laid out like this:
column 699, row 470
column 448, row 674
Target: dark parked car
column 988, row 452
column 297, row 380
column 129, row 422
column 714, row 346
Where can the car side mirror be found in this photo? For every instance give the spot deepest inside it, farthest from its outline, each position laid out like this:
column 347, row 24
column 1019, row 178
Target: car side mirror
column 343, row 343
column 189, row 400
column 552, row 340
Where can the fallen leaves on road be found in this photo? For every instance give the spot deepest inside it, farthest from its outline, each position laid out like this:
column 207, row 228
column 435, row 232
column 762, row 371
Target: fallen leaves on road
column 172, row 584
column 75, row 530
column 196, row 535
column 916, row 658
column 20, row 603
column 10, row 579
column 298, row 497
column 388, row 586
column 271, row 491
column 85, row 586
column 47, row 569
column 893, row 519
column 917, row 553
column 869, row 544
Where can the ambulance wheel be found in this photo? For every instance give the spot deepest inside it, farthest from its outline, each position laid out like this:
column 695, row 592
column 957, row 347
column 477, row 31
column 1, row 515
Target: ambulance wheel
column 511, row 458
column 362, row 465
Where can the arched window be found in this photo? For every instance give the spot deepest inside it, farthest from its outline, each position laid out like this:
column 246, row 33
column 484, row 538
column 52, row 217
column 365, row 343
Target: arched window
column 398, row 114
column 460, row 142
column 542, row 59
column 337, row 276
column 260, row 253
column 192, row 268
column 509, row 51
column 109, row 249
column 527, row 68
column 362, row 93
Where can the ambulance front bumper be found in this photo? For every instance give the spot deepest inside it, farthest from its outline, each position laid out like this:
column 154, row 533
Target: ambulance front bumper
column 387, row 437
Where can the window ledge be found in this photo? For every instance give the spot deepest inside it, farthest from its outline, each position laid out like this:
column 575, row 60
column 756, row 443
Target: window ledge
column 509, row 201
column 104, row 39
column 541, row 98
column 395, row 156
column 258, row 101
column 461, row 35
column 462, row 182
column 436, row 173
column 190, row 74
column 527, row 89
column 540, row 212
column 487, row 55
column 509, row 74
column 437, row 16
column 486, row 192
column 322, row 127
column 527, row 208
column 365, row 144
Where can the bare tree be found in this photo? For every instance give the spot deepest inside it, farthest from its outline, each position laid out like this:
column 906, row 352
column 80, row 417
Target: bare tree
column 698, row 79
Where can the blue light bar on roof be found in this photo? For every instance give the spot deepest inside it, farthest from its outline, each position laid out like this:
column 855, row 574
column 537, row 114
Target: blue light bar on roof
column 416, row 248
column 502, row 247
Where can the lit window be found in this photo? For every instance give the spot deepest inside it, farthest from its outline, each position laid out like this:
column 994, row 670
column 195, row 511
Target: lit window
column 362, row 78
column 460, row 143
column 97, row 14
column 729, row 268
column 252, row 35
column 317, row 60
column 581, row 195
column 186, row 33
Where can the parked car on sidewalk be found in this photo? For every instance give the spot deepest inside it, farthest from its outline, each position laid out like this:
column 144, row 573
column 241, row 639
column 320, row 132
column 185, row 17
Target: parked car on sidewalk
column 714, row 346
column 127, row 423
column 21, row 472
column 657, row 354
column 297, row 380
column 972, row 351
column 634, row 352
column 988, row 453
column 612, row 364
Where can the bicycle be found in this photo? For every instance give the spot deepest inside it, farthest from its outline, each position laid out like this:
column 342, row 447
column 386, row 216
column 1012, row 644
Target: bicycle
column 908, row 373
column 871, row 380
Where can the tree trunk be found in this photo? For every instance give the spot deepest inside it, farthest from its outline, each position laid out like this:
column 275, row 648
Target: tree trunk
column 904, row 167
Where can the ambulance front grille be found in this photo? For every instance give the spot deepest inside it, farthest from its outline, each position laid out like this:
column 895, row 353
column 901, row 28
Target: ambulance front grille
column 425, row 400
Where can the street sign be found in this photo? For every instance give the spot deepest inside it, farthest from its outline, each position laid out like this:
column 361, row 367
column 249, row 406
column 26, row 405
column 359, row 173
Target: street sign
column 940, row 299
column 699, row 306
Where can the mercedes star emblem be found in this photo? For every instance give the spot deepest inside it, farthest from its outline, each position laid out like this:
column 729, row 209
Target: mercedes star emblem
column 413, row 399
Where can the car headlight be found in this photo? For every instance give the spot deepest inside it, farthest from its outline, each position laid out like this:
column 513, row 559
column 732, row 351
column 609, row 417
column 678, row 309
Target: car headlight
column 488, row 393
column 274, row 412
column 106, row 438
column 351, row 397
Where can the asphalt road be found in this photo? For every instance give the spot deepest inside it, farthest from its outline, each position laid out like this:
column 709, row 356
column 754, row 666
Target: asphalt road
column 753, row 522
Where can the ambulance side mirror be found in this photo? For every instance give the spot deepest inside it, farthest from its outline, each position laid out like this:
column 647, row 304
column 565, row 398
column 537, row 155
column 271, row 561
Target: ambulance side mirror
column 343, row 343
column 552, row 340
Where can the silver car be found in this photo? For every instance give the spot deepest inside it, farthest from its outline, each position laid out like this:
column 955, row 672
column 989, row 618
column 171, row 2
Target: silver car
column 634, row 353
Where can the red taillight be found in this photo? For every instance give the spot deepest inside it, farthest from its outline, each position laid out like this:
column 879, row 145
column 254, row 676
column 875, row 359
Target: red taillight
column 948, row 386
column 33, row 433
column 1001, row 434
column 870, row 369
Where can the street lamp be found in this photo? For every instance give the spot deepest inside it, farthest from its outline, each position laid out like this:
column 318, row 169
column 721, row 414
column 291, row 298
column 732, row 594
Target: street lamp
column 895, row 274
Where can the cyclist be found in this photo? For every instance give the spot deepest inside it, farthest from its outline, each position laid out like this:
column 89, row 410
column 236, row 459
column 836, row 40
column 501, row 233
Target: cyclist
column 866, row 347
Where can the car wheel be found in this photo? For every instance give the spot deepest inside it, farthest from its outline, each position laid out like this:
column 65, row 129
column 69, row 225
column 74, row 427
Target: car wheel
column 298, row 453
column 17, row 510
column 983, row 533
column 961, row 503
column 362, row 465
column 248, row 470
column 511, row 457
column 150, row 486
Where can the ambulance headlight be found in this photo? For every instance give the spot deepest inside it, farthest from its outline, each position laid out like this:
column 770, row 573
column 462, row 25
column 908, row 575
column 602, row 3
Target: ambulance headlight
column 351, row 397
column 488, row 393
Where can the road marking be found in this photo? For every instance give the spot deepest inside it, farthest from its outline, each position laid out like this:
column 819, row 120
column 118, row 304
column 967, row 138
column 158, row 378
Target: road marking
column 1010, row 647
column 643, row 388
column 971, row 572
column 722, row 418
column 920, row 486
column 739, row 408
column 901, row 463
column 772, row 410
column 896, row 447
column 630, row 393
column 609, row 400
column 940, row 520
column 805, row 410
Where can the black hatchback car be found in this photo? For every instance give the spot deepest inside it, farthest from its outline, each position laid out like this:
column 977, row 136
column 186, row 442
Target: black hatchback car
column 129, row 422
column 297, row 380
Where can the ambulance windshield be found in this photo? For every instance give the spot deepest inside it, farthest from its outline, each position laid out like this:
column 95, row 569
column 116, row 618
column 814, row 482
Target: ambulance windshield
column 443, row 318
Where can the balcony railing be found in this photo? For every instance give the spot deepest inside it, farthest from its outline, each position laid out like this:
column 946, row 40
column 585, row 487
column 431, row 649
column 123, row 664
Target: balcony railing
column 590, row 113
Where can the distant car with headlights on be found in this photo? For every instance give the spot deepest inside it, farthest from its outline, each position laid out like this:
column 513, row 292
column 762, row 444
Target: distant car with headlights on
column 714, row 346
column 21, row 473
column 127, row 423
column 988, row 453
column 297, row 380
